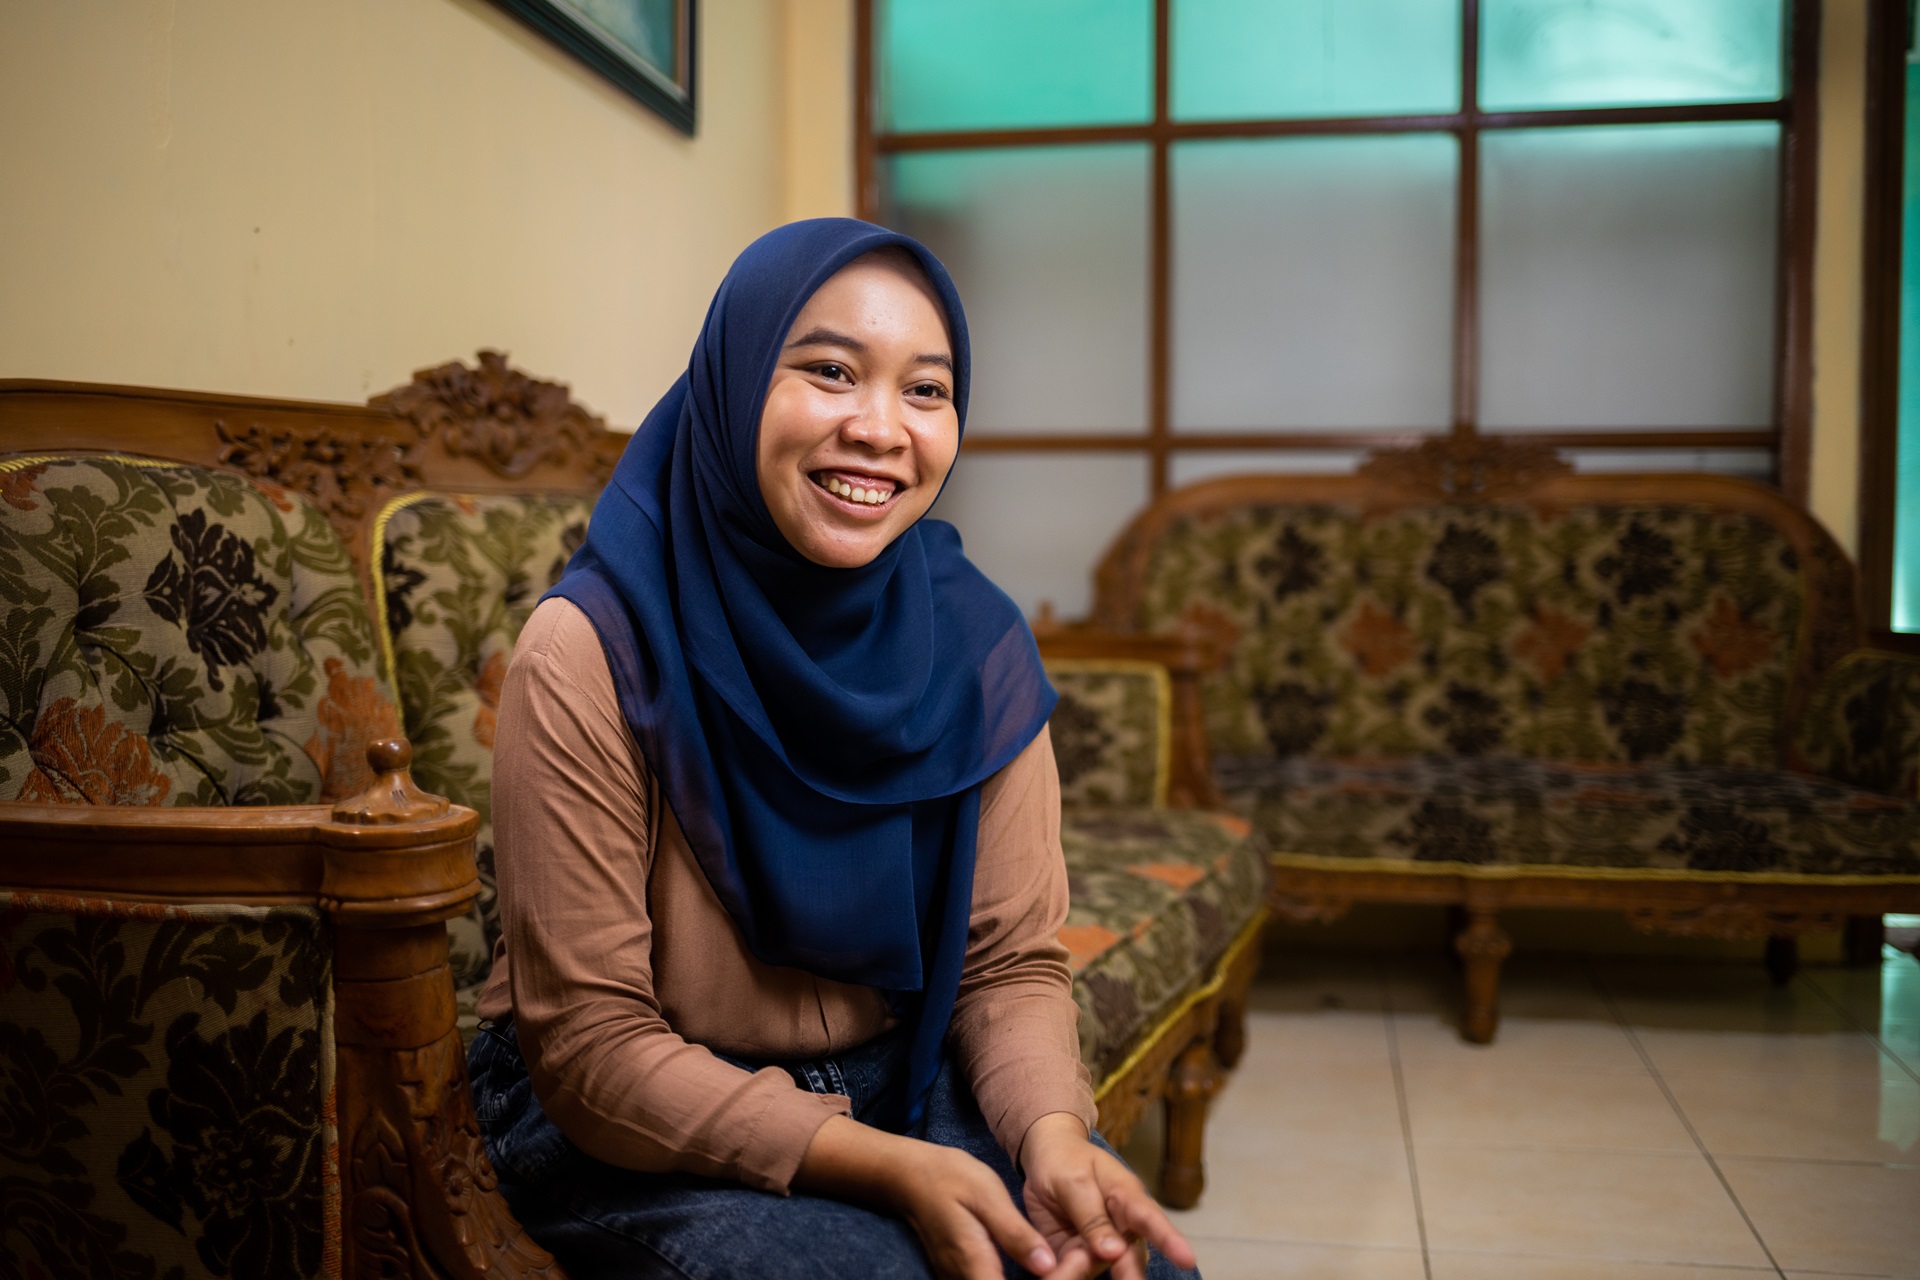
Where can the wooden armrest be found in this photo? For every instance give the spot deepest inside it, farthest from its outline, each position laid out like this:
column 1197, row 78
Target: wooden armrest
column 368, row 862
column 1186, row 657
column 387, row 868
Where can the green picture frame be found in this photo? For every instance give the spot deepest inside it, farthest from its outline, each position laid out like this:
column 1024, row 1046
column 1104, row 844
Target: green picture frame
column 646, row 47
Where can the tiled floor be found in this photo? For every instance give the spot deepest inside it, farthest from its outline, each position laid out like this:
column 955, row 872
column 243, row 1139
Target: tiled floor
column 1636, row 1119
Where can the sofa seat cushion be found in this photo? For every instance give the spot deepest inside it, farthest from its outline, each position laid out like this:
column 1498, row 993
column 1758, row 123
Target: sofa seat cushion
column 1499, row 816
column 177, row 635
column 1157, row 895
column 456, row 576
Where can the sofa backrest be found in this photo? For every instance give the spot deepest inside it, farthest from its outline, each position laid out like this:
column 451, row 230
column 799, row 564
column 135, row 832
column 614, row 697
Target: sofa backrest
column 1112, row 730
column 176, row 635
column 456, row 576
column 1675, row 619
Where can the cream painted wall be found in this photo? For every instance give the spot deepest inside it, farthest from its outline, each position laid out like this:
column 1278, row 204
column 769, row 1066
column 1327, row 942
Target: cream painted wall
column 817, row 130
column 1834, row 484
column 312, row 200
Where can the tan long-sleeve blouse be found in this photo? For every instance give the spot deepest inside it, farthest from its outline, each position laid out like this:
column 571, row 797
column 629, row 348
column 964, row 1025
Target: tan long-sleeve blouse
column 624, row 973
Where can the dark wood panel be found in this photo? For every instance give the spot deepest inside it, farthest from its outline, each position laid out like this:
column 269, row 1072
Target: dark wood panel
column 1799, row 192
column 1888, row 40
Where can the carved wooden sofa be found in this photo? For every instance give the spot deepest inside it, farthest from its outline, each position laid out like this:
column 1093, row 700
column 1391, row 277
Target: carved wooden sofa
column 1467, row 675
column 200, row 872
column 227, row 1030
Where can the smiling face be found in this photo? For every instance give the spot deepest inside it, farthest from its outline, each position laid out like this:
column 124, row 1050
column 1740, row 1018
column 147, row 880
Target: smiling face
column 859, row 429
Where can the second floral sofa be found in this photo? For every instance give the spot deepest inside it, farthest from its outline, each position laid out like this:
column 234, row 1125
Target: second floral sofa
column 1467, row 675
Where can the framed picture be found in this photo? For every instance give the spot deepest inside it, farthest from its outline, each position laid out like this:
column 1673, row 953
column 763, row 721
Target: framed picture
column 644, row 46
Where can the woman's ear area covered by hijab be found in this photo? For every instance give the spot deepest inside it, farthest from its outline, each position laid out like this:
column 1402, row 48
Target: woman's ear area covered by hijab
column 860, row 425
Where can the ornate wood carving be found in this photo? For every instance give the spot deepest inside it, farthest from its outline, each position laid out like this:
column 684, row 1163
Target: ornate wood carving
column 347, row 476
column 1466, row 468
column 1733, row 920
column 424, row 1202
column 392, row 796
column 502, row 417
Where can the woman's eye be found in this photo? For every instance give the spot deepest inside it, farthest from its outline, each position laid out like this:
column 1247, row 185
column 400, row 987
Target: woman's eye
column 833, row 372
column 929, row 390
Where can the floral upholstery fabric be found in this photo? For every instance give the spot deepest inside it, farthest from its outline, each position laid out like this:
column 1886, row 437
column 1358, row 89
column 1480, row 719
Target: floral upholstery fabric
column 1644, row 634
column 458, row 576
column 176, row 635
column 1111, row 731
column 1501, row 813
column 1862, row 725
column 166, row 1091
column 1156, row 895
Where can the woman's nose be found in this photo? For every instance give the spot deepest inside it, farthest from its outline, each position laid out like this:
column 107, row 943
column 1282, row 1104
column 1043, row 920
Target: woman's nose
column 879, row 425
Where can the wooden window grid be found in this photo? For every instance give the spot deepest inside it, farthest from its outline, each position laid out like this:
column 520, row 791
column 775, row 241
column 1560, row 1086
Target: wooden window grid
column 1789, row 438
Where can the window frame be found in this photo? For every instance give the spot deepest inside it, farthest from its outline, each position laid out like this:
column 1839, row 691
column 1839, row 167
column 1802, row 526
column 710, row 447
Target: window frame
column 1889, row 36
column 1788, row 438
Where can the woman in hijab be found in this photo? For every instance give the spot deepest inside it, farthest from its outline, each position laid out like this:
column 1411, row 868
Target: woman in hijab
column 776, row 827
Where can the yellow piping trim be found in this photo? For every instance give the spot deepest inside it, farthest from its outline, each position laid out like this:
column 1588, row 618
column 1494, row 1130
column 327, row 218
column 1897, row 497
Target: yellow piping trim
column 376, row 549
column 1249, row 933
column 36, row 459
column 1162, row 713
column 1546, row 871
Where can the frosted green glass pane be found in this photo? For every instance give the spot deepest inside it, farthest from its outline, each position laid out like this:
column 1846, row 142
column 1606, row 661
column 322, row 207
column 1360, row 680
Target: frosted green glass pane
column 1048, row 246
column 1236, row 59
column 1627, row 276
column 1002, row 64
column 1906, row 518
column 1313, row 282
column 1621, row 53
column 1036, row 523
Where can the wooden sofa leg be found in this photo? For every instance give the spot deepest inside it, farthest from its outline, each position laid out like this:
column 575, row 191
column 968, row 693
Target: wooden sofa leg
column 1483, row 946
column 1230, row 1037
column 1782, row 958
column 1865, row 937
column 1191, row 1084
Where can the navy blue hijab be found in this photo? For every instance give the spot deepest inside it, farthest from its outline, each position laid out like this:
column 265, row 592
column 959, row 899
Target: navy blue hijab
column 821, row 734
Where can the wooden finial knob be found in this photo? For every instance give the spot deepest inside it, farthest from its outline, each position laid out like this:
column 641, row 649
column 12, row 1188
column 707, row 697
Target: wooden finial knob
column 389, row 755
column 391, row 797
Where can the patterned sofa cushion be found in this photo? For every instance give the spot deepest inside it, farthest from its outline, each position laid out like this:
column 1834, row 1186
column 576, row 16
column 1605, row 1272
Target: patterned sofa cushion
column 166, row 1091
column 1112, row 730
column 1156, row 896
column 1501, row 815
column 176, row 635
column 456, row 577
column 1862, row 724
column 1651, row 634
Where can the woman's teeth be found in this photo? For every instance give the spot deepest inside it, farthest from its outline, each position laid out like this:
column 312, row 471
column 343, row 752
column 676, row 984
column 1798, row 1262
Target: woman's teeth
column 856, row 493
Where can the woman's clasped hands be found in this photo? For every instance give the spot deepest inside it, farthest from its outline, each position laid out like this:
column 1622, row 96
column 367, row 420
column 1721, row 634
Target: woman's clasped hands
column 1089, row 1213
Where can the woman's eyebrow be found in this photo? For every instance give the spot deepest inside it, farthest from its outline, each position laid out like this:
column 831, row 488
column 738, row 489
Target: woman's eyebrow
column 821, row 337
column 824, row 337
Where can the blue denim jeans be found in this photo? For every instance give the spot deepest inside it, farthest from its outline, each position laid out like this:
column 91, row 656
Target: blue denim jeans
column 603, row 1221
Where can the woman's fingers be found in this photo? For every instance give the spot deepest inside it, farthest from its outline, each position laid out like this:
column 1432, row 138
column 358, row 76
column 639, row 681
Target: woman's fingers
column 1142, row 1218
column 1010, row 1228
column 1080, row 1199
column 1134, row 1265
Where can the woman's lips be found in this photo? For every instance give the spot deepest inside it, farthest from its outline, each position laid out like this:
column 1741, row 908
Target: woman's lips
column 855, row 491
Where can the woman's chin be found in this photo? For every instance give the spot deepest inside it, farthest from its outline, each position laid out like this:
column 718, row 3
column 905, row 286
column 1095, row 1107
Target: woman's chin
column 844, row 549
